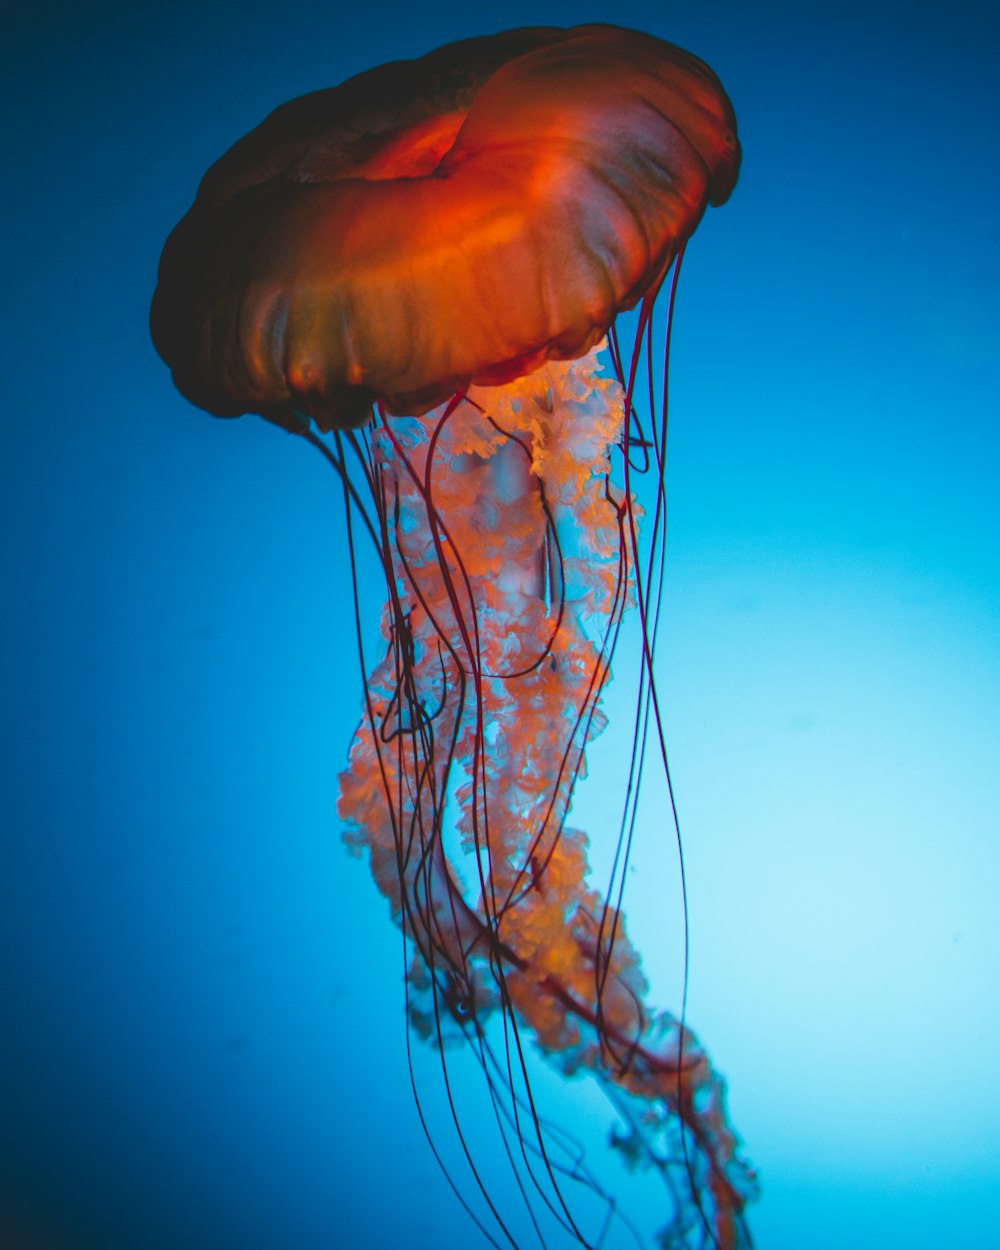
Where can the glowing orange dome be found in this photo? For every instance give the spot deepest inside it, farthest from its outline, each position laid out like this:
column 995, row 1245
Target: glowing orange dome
column 433, row 223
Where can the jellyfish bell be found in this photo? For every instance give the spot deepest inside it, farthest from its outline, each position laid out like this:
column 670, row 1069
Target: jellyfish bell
column 435, row 250
column 453, row 220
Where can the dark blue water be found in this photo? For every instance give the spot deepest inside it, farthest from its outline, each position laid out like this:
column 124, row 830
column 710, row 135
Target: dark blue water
column 201, row 1031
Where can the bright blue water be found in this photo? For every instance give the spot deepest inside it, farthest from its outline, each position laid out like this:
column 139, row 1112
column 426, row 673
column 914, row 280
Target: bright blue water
column 201, row 1035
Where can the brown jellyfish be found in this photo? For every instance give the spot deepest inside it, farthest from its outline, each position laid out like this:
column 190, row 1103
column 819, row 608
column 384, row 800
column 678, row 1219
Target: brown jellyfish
column 426, row 263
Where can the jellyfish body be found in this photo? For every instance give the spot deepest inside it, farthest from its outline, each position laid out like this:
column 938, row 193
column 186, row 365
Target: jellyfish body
column 448, row 239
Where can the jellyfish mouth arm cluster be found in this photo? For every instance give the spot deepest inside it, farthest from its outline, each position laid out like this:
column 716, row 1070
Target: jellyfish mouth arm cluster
column 506, row 552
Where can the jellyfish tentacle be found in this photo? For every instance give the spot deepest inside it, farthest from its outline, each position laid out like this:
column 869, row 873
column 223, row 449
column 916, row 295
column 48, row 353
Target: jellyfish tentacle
column 521, row 932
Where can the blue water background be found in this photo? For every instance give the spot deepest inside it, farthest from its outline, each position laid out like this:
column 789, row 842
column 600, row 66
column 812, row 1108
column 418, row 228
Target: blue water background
column 201, row 1033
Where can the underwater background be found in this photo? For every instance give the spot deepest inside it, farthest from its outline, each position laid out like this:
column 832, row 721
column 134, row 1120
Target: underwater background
column 201, row 1027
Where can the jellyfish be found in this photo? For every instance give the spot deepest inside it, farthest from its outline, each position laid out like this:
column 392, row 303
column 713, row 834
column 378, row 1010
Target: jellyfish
column 421, row 272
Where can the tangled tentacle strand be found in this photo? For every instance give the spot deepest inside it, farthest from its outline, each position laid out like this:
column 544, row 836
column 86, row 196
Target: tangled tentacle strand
column 509, row 563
